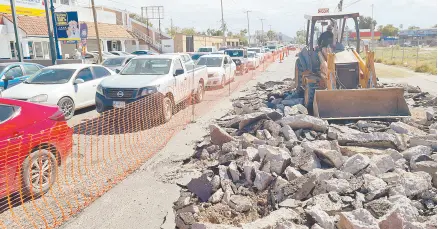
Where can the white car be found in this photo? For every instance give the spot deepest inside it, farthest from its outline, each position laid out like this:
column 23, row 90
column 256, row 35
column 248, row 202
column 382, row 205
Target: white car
column 185, row 57
column 221, row 69
column 260, row 52
column 253, row 60
column 70, row 86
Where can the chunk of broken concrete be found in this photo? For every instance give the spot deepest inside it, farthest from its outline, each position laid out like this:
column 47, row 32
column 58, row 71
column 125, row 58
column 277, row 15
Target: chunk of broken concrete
column 201, row 187
column 355, row 164
column 305, row 122
column 357, row 219
column 376, row 139
column 416, row 150
column 321, row 217
column 219, row 136
column 240, row 203
column 424, row 140
column 328, row 202
column 273, row 219
column 295, row 110
column 288, row 133
column 234, row 172
column 249, row 171
column 272, row 127
column 384, row 163
column 331, row 157
column 374, row 186
column 262, row 180
column 216, row 197
column 251, row 118
column 291, row 173
column 403, row 128
column 415, row 183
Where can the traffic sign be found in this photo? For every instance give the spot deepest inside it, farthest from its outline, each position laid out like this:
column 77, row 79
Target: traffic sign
column 323, row 10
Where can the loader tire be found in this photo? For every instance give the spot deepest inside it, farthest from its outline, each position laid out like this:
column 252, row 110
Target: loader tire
column 298, row 75
column 309, row 95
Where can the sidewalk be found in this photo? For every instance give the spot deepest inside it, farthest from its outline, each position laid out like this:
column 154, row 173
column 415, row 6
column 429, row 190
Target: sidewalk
column 145, row 199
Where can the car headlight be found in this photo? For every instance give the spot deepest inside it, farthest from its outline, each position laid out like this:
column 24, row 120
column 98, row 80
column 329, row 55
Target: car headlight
column 39, row 98
column 148, row 91
column 99, row 89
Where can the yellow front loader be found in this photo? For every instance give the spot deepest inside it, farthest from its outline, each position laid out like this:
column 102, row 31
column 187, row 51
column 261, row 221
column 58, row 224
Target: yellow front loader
column 338, row 84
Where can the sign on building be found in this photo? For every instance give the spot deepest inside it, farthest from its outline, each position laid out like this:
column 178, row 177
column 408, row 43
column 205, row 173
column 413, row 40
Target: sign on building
column 23, row 7
column 323, row 10
column 67, row 26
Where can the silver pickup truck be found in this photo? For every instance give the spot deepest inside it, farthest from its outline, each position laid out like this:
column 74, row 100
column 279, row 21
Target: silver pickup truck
column 162, row 77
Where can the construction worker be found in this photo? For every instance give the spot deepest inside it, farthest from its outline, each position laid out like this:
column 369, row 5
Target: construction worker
column 326, row 38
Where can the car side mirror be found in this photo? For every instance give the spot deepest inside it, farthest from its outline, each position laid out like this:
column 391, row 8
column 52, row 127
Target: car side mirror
column 8, row 77
column 117, row 71
column 178, row 72
column 79, row 81
column 245, row 56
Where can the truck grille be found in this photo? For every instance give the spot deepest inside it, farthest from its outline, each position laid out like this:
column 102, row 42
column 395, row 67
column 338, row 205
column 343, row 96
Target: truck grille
column 120, row 93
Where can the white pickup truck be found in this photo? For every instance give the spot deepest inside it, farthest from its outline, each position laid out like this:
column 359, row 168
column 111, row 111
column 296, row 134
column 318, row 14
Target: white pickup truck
column 164, row 78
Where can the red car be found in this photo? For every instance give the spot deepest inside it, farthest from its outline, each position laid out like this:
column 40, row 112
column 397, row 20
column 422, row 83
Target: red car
column 34, row 140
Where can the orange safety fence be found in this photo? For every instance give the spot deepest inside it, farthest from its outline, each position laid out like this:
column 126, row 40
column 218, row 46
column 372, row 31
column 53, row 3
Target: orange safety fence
column 49, row 176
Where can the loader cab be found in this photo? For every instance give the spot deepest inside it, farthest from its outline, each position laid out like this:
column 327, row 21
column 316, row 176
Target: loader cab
column 340, row 19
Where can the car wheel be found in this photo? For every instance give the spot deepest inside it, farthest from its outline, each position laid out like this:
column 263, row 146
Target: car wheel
column 167, row 109
column 67, row 106
column 200, row 94
column 39, row 172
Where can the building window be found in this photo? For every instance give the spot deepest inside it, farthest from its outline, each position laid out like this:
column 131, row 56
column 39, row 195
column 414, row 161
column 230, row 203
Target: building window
column 65, row 2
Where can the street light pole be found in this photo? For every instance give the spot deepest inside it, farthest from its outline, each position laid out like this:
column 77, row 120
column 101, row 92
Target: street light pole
column 224, row 42
column 372, row 27
column 17, row 38
column 99, row 45
column 263, row 32
column 52, row 44
column 55, row 32
column 249, row 34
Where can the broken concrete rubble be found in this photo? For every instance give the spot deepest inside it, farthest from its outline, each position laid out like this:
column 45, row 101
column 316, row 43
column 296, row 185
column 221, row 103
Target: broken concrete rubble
column 271, row 166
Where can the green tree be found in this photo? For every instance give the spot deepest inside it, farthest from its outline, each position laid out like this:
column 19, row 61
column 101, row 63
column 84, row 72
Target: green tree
column 388, row 30
column 434, row 26
column 401, row 26
column 173, row 31
column 230, row 34
column 413, row 27
column 271, row 35
column 189, row 31
column 301, row 37
column 366, row 22
column 140, row 19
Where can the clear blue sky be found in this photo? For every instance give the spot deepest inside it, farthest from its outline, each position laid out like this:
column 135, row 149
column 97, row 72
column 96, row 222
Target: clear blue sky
column 284, row 16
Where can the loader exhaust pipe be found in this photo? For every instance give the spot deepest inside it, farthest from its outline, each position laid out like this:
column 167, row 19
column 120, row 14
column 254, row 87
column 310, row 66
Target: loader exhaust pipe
column 375, row 103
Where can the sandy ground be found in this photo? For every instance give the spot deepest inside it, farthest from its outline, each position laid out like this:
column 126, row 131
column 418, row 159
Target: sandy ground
column 145, row 198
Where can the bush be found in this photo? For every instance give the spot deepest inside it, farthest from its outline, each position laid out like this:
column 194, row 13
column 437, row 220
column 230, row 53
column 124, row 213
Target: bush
column 423, row 68
column 379, row 60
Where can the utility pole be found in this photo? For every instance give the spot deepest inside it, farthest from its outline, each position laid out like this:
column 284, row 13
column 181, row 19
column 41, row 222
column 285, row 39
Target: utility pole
column 171, row 27
column 52, row 46
column 55, row 32
column 99, row 45
column 159, row 29
column 263, row 32
column 340, row 5
column 372, row 27
column 224, row 42
column 270, row 30
column 17, row 38
column 249, row 34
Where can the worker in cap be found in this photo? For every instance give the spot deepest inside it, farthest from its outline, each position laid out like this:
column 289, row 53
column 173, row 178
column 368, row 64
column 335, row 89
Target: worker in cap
column 326, row 37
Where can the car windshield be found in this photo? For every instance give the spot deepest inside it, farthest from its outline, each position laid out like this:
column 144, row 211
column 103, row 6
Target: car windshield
column 2, row 68
column 205, row 50
column 234, row 53
column 196, row 56
column 210, row 61
column 272, row 47
column 113, row 62
column 147, row 67
column 255, row 50
column 51, row 76
column 251, row 55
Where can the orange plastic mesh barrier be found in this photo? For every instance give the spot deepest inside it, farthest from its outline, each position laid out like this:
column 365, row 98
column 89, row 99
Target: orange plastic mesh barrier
column 49, row 176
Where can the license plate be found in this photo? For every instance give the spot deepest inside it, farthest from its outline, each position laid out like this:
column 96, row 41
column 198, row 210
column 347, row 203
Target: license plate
column 118, row 104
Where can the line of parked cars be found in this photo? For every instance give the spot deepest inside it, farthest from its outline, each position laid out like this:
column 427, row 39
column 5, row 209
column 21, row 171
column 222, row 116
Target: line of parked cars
column 39, row 100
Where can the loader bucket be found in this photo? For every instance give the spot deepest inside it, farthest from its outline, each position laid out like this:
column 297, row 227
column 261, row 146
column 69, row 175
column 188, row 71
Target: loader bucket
column 372, row 103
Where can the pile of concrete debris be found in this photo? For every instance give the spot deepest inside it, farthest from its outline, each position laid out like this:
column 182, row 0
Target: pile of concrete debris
column 268, row 164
